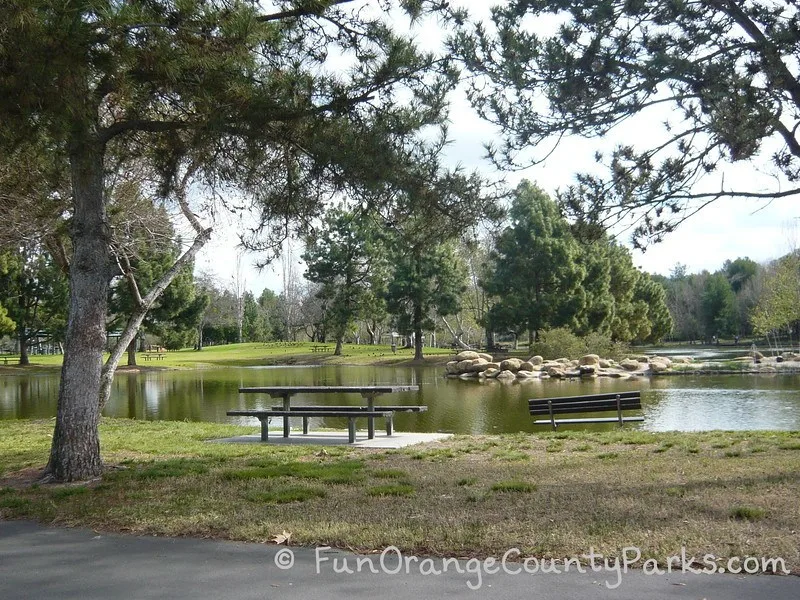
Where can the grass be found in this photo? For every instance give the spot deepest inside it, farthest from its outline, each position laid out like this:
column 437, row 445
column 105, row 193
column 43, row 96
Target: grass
column 722, row 493
column 252, row 354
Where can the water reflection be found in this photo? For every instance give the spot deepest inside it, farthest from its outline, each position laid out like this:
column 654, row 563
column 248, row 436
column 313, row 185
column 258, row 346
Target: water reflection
column 685, row 403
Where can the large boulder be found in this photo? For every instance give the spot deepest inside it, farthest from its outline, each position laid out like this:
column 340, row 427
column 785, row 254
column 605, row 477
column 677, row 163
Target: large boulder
column 555, row 372
column 491, row 373
column 605, row 363
column 630, row 364
column 563, row 361
column 658, row 367
column 467, row 355
column 527, row 366
column 756, row 355
column 589, row 359
column 464, row 365
column 506, row 375
column 522, row 374
column 511, row 364
column 486, row 357
column 682, row 360
column 478, row 365
column 451, row 367
column 536, row 360
column 661, row 359
column 586, row 370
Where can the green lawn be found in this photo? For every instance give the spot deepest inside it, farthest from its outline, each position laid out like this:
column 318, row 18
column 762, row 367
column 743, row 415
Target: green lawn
column 263, row 354
column 551, row 494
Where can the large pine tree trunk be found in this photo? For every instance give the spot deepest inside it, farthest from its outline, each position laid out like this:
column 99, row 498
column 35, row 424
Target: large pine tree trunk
column 75, row 451
column 417, row 332
column 23, row 349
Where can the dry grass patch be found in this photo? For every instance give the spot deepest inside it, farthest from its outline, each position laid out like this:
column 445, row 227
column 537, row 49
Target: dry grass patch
column 460, row 497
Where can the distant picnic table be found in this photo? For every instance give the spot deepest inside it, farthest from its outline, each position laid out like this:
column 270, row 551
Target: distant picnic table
column 368, row 411
column 320, row 348
column 152, row 355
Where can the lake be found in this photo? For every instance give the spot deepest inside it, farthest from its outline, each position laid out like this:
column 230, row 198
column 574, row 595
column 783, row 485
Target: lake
column 682, row 403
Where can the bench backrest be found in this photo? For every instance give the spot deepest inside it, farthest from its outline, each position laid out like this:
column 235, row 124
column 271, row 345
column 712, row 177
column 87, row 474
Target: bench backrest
column 589, row 403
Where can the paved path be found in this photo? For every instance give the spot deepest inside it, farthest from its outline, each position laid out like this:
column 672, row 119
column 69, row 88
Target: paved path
column 38, row 562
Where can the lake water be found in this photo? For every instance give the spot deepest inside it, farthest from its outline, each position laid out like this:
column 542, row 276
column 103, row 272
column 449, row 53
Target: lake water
column 683, row 403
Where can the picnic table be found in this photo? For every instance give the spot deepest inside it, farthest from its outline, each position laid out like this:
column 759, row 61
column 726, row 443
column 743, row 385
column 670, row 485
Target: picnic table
column 156, row 355
column 367, row 392
column 322, row 348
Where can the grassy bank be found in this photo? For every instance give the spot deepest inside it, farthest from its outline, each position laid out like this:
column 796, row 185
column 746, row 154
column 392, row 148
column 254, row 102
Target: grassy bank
column 553, row 495
column 271, row 353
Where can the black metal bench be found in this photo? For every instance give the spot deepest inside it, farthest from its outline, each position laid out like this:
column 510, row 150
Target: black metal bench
column 351, row 415
column 617, row 402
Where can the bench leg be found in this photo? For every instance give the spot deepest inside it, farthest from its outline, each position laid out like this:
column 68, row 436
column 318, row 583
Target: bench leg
column 286, row 419
column 305, row 425
column 619, row 412
column 371, row 420
column 264, row 429
column 351, row 430
column 389, row 426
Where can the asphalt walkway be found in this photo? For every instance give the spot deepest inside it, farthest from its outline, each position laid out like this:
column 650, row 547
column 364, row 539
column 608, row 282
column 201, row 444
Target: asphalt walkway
column 45, row 562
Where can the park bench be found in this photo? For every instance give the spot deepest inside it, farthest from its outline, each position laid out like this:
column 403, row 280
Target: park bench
column 350, row 415
column 367, row 392
column 617, row 402
column 6, row 359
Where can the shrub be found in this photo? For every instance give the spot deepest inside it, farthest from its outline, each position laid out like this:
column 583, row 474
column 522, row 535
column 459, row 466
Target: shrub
column 561, row 342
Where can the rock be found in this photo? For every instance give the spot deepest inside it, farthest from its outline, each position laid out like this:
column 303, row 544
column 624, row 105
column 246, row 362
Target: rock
column 589, row 359
column 756, row 355
column 491, row 373
column 767, row 369
column 658, row 367
column 486, row 357
column 573, row 364
column 639, row 358
column 682, row 360
column 630, row 364
column 563, row 361
column 467, row 375
column 523, row 374
column 661, row 359
column 536, row 360
column 463, row 365
column 467, row 355
column 586, row 370
column 478, row 366
column 604, row 363
column 451, row 367
column 527, row 366
column 572, row 373
column 511, row 364
column 506, row 374
column 779, row 359
column 555, row 372
column 616, row 375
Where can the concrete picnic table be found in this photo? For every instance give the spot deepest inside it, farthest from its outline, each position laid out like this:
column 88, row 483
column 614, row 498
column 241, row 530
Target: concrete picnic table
column 369, row 392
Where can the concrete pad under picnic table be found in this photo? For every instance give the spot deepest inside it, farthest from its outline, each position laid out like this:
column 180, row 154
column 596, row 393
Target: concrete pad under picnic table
column 339, row 438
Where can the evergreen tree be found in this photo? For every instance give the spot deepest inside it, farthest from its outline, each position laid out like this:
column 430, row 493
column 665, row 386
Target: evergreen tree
column 537, row 279
column 222, row 93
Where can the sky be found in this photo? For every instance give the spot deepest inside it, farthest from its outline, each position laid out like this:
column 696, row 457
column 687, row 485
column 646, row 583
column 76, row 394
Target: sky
column 727, row 229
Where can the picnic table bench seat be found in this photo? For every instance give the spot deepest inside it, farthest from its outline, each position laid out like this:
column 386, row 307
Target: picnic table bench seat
column 350, row 415
column 616, row 401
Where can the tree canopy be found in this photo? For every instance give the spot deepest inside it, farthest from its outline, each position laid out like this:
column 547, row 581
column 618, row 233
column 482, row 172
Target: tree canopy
column 725, row 70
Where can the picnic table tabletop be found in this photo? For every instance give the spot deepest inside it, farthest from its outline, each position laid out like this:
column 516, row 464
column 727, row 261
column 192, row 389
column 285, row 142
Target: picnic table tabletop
column 283, row 390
